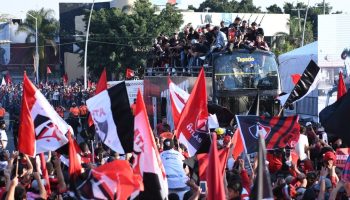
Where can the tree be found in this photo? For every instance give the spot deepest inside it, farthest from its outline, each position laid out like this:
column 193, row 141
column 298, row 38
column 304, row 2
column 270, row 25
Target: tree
column 48, row 28
column 121, row 40
column 244, row 6
column 274, row 9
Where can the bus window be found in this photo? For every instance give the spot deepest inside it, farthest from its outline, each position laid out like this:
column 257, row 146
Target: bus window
column 242, row 70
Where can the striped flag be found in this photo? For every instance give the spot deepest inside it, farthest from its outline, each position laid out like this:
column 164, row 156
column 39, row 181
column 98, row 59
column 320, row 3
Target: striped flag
column 192, row 126
column 278, row 132
column 346, row 171
column 306, row 84
column 113, row 119
column 41, row 128
column 147, row 159
column 178, row 99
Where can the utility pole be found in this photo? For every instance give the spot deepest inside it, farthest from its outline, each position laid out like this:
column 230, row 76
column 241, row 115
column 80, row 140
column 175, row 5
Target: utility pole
column 324, row 7
column 303, row 37
column 299, row 9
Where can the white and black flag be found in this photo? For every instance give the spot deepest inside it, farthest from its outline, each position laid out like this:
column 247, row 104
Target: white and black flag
column 306, row 84
column 113, row 119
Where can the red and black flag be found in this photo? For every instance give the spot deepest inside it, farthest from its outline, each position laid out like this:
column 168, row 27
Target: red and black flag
column 262, row 185
column 278, row 132
column 306, row 84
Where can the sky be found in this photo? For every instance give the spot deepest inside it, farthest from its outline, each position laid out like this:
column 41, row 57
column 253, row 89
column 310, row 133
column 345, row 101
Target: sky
column 18, row 8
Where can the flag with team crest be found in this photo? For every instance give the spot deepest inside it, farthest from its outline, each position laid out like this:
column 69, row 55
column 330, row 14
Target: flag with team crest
column 278, row 132
column 41, row 129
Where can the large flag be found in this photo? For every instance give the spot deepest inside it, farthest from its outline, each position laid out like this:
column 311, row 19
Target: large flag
column 114, row 180
column 192, row 126
column 147, row 159
column 341, row 86
column 178, row 99
column 101, row 85
column 262, row 185
column 335, row 118
column 41, row 129
column 113, row 120
column 306, row 84
column 215, row 182
column 74, row 162
column 278, row 132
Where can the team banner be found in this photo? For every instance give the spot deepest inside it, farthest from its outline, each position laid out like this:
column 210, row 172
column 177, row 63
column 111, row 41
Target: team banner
column 278, row 132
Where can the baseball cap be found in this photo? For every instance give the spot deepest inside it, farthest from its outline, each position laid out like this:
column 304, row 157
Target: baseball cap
column 308, row 124
column 329, row 155
column 219, row 131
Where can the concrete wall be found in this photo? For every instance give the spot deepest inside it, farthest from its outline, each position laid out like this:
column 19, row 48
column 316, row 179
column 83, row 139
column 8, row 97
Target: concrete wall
column 72, row 66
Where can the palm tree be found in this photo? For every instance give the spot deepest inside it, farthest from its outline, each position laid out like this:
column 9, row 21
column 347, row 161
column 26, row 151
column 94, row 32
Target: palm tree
column 48, row 28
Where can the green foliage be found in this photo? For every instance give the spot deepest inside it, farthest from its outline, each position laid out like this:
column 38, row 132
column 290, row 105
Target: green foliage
column 244, row 6
column 121, row 40
column 48, row 28
column 274, row 9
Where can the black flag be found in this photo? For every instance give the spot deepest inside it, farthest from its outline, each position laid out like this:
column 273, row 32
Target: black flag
column 254, row 108
column 335, row 118
column 262, row 184
column 305, row 84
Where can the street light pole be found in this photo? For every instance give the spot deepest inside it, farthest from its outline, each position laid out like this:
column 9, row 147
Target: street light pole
column 86, row 45
column 303, row 37
column 36, row 48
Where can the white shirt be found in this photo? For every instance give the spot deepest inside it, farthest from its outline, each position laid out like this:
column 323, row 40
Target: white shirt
column 3, row 135
column 173, row 165
column 300, row 147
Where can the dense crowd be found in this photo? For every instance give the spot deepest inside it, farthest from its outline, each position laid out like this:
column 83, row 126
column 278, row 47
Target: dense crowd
column 307, row 171
column 194, row 45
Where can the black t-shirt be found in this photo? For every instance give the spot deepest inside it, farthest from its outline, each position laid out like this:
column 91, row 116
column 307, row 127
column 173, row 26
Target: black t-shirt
column 201, row 48
column 210, row 37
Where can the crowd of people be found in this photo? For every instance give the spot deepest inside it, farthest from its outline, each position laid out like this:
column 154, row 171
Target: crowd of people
column 194, row 45
column 307, row 171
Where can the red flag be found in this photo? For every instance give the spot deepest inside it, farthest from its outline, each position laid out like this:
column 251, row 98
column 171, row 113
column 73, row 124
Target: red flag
column 148, row 162
column 295, row 78
column 192, row 125
column 41, row 129
column 341, row 86
column 101, row 85
column 48, row 70
column 102, row 82
column 65, row 79
column 8, row 78
column 215, row 180
column 45, row 173
column 172, row 2
column 238, row 146
column 113, row 180
column 203, row 161
column 129, row 73
column 74, row 163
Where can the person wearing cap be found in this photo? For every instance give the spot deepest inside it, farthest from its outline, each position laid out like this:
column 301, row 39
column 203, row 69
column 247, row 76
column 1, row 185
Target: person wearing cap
column 329, row 159
column 74, row 110
column 173, row 164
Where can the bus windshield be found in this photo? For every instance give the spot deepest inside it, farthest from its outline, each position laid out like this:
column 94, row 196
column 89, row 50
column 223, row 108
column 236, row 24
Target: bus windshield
column 244, row 70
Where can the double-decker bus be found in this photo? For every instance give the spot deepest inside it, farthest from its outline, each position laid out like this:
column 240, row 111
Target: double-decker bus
column 233, row 81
